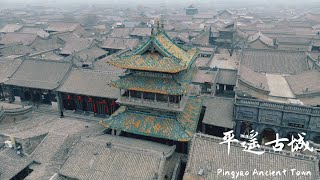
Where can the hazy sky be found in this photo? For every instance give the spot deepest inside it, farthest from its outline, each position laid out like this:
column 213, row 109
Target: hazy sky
column 183, row 3
column 147, row 1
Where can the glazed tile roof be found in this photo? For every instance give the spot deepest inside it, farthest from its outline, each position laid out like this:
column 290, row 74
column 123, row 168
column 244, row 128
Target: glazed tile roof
column 180, row 128
column 150, row 62
column 150, row 84
column 156, row 83
column 168, row 57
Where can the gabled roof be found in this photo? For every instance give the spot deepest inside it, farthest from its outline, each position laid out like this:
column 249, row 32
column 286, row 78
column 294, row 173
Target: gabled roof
column 10, row 28
column 62, row 27
column 7, row 68
column 16, row 49
column 75, row 44
column 90, row 83
column 40, row 74
column 158, row 53
column 120, row 43
column 227, row 76
column 305, row 83
column 126, row 158
column 262, row 38
column 181, row 128
column 274, row 61
column 38, row 31
column 207, row 154
column 11, row 163
column 90, row 54
column 121, row 32
column 219, row 112
column 252, row 78
column 191, row 7
column 141, row 32
column 12, row 38
column 203, row 38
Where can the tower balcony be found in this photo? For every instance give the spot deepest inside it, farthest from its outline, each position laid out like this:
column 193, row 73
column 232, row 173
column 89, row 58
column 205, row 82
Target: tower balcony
column 153, row 101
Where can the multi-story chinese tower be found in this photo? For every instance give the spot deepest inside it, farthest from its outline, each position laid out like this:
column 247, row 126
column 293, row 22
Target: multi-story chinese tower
column 155, row 91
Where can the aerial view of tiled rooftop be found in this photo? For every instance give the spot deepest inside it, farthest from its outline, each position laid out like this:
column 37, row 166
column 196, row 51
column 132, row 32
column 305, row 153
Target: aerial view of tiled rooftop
column 159, row 90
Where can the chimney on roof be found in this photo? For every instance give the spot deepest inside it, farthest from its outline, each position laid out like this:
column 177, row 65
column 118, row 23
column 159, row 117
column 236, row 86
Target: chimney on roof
column 108, row 144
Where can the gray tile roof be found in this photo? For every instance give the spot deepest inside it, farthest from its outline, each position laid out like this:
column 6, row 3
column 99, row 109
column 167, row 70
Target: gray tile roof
column 121, row 32
column 12, row 163
column 42, row 74
column 219, row 112
column 204, row 76
column 92, row 159
column 48, row 147
column 75, row 44
column 144, row 32
column 227, row 76
column 10, row 28
column 272, row 61
column 263, row 38
column 90, row 54
column 7, row 68
column 90, row 83
column 305, row 83
column 19, row 49
column 38, row 31
column 208, row 154
column 202, row 62
column 255, row 79
column 62, row 27
column 103, row 66
column 47, row 55
column 13, row 38
column 202, row 39
column 120, row 43
column 47, row 44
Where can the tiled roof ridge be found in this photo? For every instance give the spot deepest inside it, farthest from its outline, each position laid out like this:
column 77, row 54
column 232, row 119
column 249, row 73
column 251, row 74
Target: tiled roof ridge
column 114, row 144
column 273, row 50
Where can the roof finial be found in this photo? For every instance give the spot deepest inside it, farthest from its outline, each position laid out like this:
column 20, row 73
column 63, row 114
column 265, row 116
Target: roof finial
column 152, row 31
column 158, row 25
